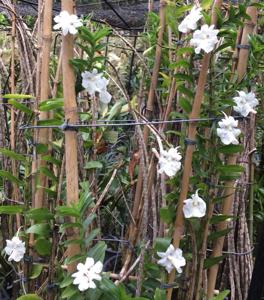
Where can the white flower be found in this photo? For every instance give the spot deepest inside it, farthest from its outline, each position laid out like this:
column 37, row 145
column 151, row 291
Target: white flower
column 87, row 273
column 190, row 21
column 172, row 258
column 245, row 103
column 170, row 162
column 15, row 248
column 195, row 207
column 228, row 131
column 205, row 39
column 67, row 23
column 94, row 82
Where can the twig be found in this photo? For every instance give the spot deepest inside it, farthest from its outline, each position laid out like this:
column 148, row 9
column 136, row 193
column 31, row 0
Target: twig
column 98, row 203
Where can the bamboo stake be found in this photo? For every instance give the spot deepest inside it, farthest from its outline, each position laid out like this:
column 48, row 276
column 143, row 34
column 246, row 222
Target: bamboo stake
column 187, row 166
column 43, row 136
column 70, row 109
column 229, row 185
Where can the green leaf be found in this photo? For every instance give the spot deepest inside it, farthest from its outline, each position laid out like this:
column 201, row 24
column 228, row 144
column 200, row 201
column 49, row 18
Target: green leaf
column 36, row 271
column 101, row 33
column 111, row 136
column 209, row 262
column 88, row 221
column 51, row 159
column 230, row 172
column 182, row 9
column 65, row 226
column 162, row 244
column 86, row 200
column 47, row 172
column 230, row 149
column 43, row 246
column 91, row 236
column 230, row 169
column 98, row 251
column 184, row 50
column 66, row 211
column 69, row 292
column 93, row 165
column 17, row 96
column 222, row 295
column 206, row 4
column 218, row 234
column 39, row 214
column 160, row 294
column 51, row 104
column 115, row 110
column 11, row 209
column 183, row 77
column 20, row 106
column 66, row 281
column 8, row 176
column 41, row 229
column 87, row 35
column 41, row 148
column 167, row 214
column 12, row 154
column 220, row 218
column 72, row 259
column 180, row 64
column 110, row 289
column 30, row 297
column 185, row 105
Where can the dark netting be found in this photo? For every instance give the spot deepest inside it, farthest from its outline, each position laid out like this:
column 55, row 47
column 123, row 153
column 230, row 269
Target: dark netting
column 126, row 14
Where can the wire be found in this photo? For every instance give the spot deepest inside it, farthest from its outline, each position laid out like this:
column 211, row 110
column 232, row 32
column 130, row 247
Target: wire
column 111, row 123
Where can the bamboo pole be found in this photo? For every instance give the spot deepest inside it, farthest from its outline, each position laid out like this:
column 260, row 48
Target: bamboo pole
column 70, row 110
column 229, row 185
column 187, row 166
column 43, row 134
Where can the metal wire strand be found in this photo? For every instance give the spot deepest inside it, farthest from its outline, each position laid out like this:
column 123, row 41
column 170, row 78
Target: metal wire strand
column 120, row 123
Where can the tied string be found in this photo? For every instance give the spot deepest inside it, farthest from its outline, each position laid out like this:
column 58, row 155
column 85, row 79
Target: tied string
column 119, row 123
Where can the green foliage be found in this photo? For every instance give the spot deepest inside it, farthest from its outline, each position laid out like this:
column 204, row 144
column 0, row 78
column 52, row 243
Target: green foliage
column 30, row 297
column 90, row 44
column 222, row 295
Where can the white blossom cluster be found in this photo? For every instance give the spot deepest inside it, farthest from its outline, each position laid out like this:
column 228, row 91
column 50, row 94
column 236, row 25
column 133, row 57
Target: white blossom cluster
column 15, row 249
column 87, row 273
column 228, row 130
column 169, row 162
column 194, row 207
column 204, row 38
column 245, row 103
column 171, row 259
column 95, row 82
column 67, row 23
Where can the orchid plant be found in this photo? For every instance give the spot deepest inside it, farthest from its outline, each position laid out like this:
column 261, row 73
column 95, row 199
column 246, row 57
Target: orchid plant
column 215, row 140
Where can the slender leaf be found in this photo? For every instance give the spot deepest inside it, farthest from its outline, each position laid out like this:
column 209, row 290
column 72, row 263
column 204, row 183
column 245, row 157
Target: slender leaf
column 12, row 154
column 11, row 209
